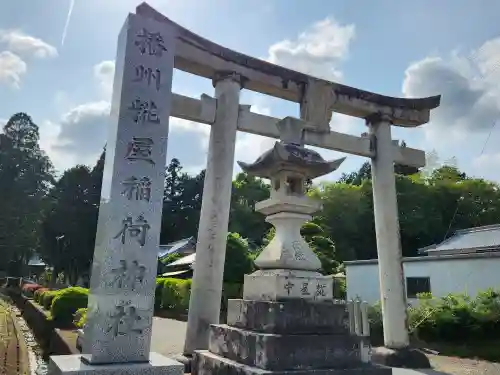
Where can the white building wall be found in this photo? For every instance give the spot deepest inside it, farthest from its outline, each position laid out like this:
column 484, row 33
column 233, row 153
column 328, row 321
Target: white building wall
column 362, row 282
column 466, row 275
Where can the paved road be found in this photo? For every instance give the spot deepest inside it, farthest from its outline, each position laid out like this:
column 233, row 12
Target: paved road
column 168, row 338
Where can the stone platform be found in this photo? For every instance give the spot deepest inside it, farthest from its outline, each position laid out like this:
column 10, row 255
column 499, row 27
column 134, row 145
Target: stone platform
column 73, row 365
column 206, row 363
column 284, row 337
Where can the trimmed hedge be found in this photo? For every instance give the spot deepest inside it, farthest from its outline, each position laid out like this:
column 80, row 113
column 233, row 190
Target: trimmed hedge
column 47, row 298
column 175, row 294
column 66, row 302
column 70, row 304
column 39, row 294
column 29, row 290
column 80, row 317
column 158, row 292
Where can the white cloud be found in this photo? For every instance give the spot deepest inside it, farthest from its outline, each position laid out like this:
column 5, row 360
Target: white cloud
column 487, row 166
column 12, row 68
column 470, row 99
column 317, row 51
column 250, row 146
column 80, row 134
column 21, row 43
column 104, row 72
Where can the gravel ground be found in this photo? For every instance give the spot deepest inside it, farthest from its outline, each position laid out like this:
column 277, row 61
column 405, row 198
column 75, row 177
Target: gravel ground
column 461, row 366
column 13, row 357
column 176, row 331
column 168, row 339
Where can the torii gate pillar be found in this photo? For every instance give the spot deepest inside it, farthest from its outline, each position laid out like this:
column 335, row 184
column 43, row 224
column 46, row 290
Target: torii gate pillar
column 396, row 350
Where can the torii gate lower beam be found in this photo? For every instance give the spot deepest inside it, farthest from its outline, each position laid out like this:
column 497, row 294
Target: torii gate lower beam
column 203, row 111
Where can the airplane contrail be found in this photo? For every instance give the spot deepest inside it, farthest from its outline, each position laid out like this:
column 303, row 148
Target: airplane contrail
column 68, row 17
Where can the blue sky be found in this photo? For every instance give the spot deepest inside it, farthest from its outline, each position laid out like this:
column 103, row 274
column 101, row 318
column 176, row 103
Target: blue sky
column 398, row 48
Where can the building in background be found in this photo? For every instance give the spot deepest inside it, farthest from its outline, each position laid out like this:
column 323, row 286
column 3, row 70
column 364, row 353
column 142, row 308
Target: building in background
column 183, row 267
column 185, row 246
column 467, row 262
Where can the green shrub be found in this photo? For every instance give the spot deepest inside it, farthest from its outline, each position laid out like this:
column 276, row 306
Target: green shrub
column 80, row 317
column 238, row 261
column 66, row 302
column 47, row 298
column 454, row 318
column 37, row 297
column 339, row 288
column 184, row 290
column 158, row 292
column 175, row 294
column 172, row 257
column 376, row 327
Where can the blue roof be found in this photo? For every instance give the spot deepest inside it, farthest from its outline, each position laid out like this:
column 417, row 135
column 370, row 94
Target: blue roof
column 173, row 247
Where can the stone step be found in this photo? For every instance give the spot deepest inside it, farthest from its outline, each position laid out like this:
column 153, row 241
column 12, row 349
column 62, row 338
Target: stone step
column 206, row 363
column 284, row 352
column 291, row 317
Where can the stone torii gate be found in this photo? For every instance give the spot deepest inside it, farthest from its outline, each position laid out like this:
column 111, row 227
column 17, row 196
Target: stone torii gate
column 231, row 71
column 121, row 296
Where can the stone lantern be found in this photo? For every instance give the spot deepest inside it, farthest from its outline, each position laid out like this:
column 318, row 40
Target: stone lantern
column 287, row 321
column 288, row 268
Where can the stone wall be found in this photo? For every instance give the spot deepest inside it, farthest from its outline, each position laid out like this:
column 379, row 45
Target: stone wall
column 52, row 340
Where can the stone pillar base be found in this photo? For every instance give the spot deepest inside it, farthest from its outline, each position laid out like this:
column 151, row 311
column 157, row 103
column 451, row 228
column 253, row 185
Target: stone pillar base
column 402, row 358
column 299, row 337
column 207, row 363
column 185, row 359
column 73, row 365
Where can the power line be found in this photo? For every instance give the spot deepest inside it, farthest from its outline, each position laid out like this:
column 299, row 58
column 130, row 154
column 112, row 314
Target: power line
column 461, row 199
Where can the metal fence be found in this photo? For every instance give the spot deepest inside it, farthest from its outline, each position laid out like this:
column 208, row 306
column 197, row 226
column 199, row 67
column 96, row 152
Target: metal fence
column 359, row 325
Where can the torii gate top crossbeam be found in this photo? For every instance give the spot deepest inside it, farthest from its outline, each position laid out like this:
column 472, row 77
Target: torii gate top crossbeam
column 318, row 98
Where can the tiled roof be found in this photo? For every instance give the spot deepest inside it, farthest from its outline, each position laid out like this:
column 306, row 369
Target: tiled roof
column 479, row 238
column 187, row 260
column 173, row 246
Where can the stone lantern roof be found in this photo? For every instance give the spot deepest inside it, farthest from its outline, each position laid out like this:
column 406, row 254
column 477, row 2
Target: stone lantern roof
column 289, row 154
column 290, row 157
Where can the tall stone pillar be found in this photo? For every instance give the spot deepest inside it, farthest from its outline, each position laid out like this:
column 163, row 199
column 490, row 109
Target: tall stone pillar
column 206, row 289
column 122, row 288
column 391, row 275
column 385, row 206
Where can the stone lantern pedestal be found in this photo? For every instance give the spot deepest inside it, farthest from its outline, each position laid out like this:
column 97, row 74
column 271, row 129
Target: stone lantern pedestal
column 287, row 321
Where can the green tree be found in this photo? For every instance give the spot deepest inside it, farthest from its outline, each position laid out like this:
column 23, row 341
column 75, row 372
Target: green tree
column 347, row 218
column 238, row 261
column 70, row 223
column 247, row 191
column 26, row 174
column 181, row 203
column 70, row 220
